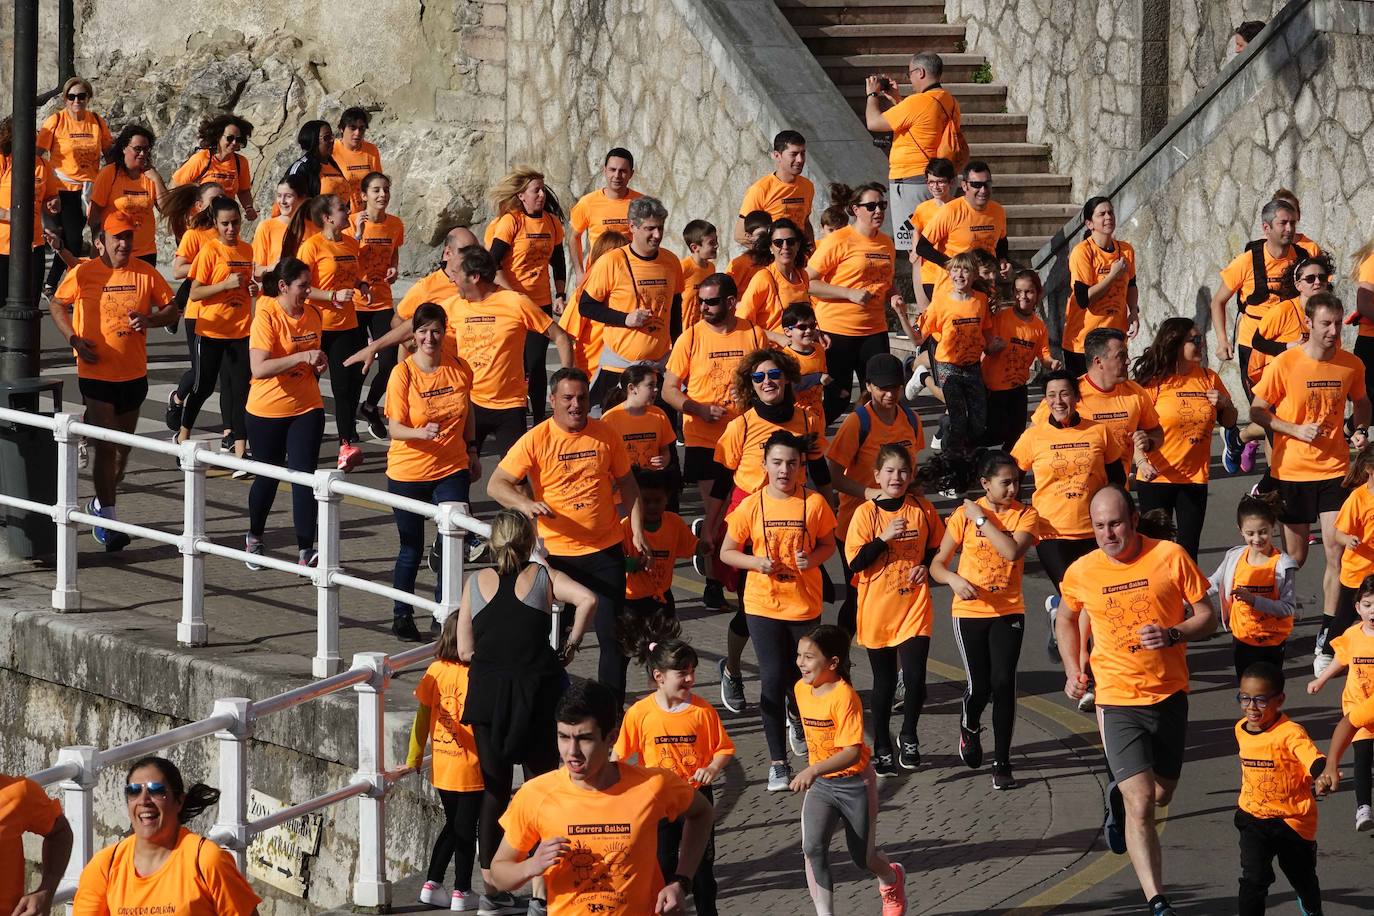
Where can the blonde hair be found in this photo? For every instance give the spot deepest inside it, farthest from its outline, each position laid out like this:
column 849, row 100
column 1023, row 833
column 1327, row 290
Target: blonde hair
column 512, row 541
column 505, row 196
column 77, row 81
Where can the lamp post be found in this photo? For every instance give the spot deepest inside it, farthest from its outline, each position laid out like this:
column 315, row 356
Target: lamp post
column 19, row 318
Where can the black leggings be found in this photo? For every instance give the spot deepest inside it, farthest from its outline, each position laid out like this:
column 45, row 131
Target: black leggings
column 536, row 370
column 1007, row 411
column 1364, row 761
column 1057, row 555
column 212, row 354
column 1186, row 502
column 1364, row 351
column 188, row 378
column 71, row 218
column 1245, row 655
column 375, row 325
column 457, row 841
column 775, row 645
column 991, row 649
column 289, row 442
column 604, row 573
column 498, row 774
column 912, row 656
column 345, row 382
column 848, row 355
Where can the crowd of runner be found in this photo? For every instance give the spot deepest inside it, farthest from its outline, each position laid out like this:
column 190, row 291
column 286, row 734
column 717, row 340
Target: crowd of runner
column 767, row 384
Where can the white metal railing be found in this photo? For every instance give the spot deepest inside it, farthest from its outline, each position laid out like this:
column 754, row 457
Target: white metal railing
column 232, row 722
column 328, row 577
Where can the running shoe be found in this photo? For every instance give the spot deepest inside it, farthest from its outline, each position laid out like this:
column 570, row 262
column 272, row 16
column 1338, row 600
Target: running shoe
column 884, row 765
column 1364, row 819
column 537, row 907
column 436, row 555
column 376, row 423
column 435, row 627
column 1162, row 907
column 1320, row 662
column 350, row 456
column 1001, row 776
column 910, row 756
column 971, row 747
column 240, row 474
column 308, row 557
column 1052, row 644
column 226, row 442
column 1247, row 456
column 796, row 736
column 1088, row 702
column 1231, row 449
column 917, row 382
column 254, row 546
column 713, row 596
column 1115, row 825
column 502, row 904
column 173, row 415
column 112, row 541
column 698, row 526
column 894, row 895
column 779, row 777
column 403, row 628
column 1313, row 538
column 433, row 894
column 731, row 690
column 699, row 559
column 463, row 901
column 476, row 546
column 83, row 454
column 935, row 443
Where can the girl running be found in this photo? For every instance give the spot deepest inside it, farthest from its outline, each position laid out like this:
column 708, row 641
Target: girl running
column 675, row 730
column 380, row 237
column 1355, row 651
column 1256, row 583
column 644, row 428
column 267, row 239
column 192, row 223
column 991, row 536
column 790, row 532
column 888, row 546
column 839, row 784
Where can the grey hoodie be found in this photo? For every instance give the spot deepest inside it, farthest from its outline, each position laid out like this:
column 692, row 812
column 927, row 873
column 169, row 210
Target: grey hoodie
column 1284, row 575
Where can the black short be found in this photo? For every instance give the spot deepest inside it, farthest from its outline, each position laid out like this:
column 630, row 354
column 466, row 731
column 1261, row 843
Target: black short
column 1305, row 500
column 505, row 425
column 1140, row 738
column 124, row 396
column 700, row 466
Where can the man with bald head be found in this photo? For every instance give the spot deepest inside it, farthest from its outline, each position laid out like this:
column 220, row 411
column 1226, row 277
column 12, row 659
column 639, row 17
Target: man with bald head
column 1145, row 599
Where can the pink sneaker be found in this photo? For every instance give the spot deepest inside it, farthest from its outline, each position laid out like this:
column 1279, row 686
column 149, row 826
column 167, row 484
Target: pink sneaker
column 350, row 456
column 894, row 895
column 1247, row 456
column 432, row 894
column 464, row 901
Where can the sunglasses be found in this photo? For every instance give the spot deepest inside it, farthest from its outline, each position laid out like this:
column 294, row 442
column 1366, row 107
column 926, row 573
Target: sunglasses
column 155, row 789
column 712, row 300
column 1314, row 278
column 771, row 374
column 874, row 206
column 786, row 243
column 236, row 139
column 1259, row 702
column 979, row 185
column 78, row 96
column 141, row 150
column 1195, row 338
column 801, row 326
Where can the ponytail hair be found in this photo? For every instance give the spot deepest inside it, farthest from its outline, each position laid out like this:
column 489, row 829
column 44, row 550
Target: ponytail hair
column 633, row 375
column 670, row 655
column 832, row 643
column 181, row 208
column 313, row 209
column 512, row 542
column 222, row 203
column 1266, row 506
column 194, row 800
column 638, row 634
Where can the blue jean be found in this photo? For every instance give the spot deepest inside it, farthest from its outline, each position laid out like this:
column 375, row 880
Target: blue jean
column 410, row 528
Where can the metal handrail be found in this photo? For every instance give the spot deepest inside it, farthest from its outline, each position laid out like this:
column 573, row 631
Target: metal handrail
column 142, row 747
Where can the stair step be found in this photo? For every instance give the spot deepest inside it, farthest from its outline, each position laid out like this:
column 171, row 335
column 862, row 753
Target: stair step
column 882, row 38
column 994, row 127
column 1034, row 188
column 1010, row 158
column 1022, row 247
column 1037, row 219
column 842, row 12
column 853, row 68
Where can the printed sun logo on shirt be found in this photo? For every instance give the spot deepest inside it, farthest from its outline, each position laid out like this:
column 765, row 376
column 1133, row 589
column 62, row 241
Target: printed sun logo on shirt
column 1263, row 787
column 721, row 378
column 1195, row 415
column 903, row 560
column 1016, row 361
column 820, row 737
column 581, row 476
column 135, row 203
column 346, row 271
column 657, row 297
column 967, row 343
column 441, row 407
column 642, row 447
column 477, row 341
column 450, row 715
column 877, row 267
column 995, row 570
column 681, row 748
column 376, row 257
column 86, row 151
column 116, row 302
column 1325, row 405
column 783, row 538
column 1124, row 623
column 595, row 872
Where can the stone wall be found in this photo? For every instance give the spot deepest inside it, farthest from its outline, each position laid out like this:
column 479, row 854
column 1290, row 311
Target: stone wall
column 1200, row 42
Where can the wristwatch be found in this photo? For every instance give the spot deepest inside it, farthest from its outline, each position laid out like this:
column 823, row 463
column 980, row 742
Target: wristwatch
column 980, row 521
column 686, row 883
column 1175, row 637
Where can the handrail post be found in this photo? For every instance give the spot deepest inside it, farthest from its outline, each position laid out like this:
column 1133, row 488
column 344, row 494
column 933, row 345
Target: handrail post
column 452, row 537
column 231, row 826
column 78, row 797
column 191, row 630
column 66, row 595
column 327, row 660
column 371, row 887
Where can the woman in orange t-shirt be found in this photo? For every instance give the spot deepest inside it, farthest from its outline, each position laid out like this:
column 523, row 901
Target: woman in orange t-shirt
column 780, row 280
column 46, row 199
column 380, row 236
column 271, row 233
column 186, row 210
column 285, row 414
column 220, row 161
column 73, row 138
column 163, row 867
column 130, row 184
column 433, row 453
column 1190, row 401
column 586, row 334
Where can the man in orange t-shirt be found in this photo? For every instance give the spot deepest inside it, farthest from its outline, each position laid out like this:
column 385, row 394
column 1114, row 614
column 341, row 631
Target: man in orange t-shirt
column 24, row 808
column 1145, row 600
column 593, row 823
column 784, row 193
column 572, row 464
column 973, row 220
column 605, row 208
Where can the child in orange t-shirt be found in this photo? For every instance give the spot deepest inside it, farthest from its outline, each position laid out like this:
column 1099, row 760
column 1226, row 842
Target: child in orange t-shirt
column 673, row 729
column 454, row 771
column 1354, row 650
column 702, row 243
column 1354, row 531
column 649, row 613
column 1255, row 583
column 804, row 343
column 839, row 784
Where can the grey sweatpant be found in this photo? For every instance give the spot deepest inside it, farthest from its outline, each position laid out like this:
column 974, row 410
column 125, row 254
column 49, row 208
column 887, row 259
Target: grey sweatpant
column 831, row 799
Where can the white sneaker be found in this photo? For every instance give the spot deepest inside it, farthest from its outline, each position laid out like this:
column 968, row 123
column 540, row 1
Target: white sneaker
column 935, row 443
column 779, row 777
column 796, row 736
column 1364, row 819
column 433, row 894
column 917, row 382
column 463, row 901
column 1320, row 663
column 1052, row 643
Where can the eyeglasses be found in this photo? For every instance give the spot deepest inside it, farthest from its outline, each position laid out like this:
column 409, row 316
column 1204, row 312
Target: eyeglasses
column 874, row 206
column 713, row 300
column 155, row 789
column 78, row 96
column 771, row 374
column 1259, row 702
column 236, row 139
column 790, row 242
column 930, row 179
column 141, row 150
column 1314, row 278
column 801, row 326
column 978, row 185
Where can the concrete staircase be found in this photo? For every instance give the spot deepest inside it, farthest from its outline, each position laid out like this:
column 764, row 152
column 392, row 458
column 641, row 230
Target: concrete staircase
column 854, row 38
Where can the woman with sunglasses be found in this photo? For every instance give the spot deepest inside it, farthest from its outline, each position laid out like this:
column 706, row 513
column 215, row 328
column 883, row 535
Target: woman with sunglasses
column 1190, row 400
column 851, row 275
column 162, row 867
column 129, row 183
column 780, row 282
column 73, row 138
column 220, row 161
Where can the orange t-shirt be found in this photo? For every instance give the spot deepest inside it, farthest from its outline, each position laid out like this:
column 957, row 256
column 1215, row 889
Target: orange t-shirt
column 24, row 808
column 770, row 293
column 779, row 528
column 595, row 213
column 233, row 175
column 958, row 326
column 740, row 446
column 624, row 281
column 134, row 197
column 297, row 390
column 267, row 241
column 490, row 335
column 434, row 287
column 846, row 258
column 1276, row 774
column 681, row 740
column 532, row 242
column 1357, row 518
column 74, row 147
column 858, row 459
column 931, row 273
column 355, row 166
column 704, row 360
column 1302, row 390
column 611, row 865
column 227, row 315
column 832, row 721
column 574, row 473
column 334, row 266
column 996, row 579
column 671, row 541
column 645, row 437
column 1284, row 323
column 957, row 227
column 102, row 298
column 444, row 689
column 917, row 123
column 377, row 252
column 1187, row 418
column 1365, row 274
column 1070, row 465
column 1089, row 264
column 891, row 609
column 198, row 879
column 1123, row 410
column 1248, row 624
column 45, row 187
column 1355, row 649
column 190, row 245
column 780, row 199
column 808, row 389
column 742, row 269
column 1239, row 276
column 1120, row 598
column 416, row 398
column 1027, row 340
column 692, row 275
